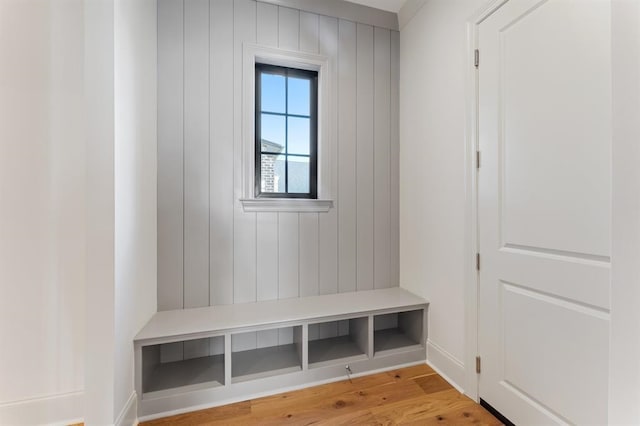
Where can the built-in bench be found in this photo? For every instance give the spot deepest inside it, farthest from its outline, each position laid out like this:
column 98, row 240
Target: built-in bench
column 372, row 330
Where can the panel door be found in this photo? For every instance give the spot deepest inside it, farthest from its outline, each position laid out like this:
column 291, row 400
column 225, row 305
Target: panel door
column 544, row 219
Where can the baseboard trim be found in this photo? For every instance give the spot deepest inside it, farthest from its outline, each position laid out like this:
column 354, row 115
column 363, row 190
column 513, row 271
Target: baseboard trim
column 129, row 414
column 450, row 368
column 57, row 409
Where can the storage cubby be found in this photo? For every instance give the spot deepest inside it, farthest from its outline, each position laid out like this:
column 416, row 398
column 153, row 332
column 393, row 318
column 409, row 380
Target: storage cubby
column 398, row 331
column 284, row 355
column 184, row 374
column 347, row 344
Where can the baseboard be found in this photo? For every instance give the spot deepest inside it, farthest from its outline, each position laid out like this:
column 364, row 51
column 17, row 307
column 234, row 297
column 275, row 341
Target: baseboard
column 129, row 414
column 58, row 409
column 445, row 364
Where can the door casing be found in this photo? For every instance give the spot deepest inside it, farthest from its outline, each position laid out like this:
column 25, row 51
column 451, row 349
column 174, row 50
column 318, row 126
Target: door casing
column 471, row 384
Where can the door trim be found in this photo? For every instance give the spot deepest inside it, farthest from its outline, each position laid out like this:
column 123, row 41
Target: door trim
column 471, row 384
column 624, row 344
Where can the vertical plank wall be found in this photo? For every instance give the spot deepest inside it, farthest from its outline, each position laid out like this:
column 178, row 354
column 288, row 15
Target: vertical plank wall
column 170, row 164
column 210, row 252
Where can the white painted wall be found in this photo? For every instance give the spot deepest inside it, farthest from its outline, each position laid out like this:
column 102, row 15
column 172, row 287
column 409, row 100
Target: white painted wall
column 100, row 294
column 121, row 145
column 77, row 167
column 42, row 213
column 135, row 163
column 432, row 175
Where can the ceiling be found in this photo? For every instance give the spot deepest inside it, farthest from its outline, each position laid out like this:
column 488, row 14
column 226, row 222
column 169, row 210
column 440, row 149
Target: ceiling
column 390, row 5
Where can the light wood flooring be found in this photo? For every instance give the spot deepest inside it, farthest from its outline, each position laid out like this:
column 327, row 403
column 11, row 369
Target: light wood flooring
column 413, row 395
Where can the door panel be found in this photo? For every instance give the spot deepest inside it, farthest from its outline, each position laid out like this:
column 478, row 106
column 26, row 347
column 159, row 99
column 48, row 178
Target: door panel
column 554, row 68
column 544, row 210
column 534, row 352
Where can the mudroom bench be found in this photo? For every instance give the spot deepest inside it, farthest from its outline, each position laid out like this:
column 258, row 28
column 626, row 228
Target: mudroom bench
column 267, row 347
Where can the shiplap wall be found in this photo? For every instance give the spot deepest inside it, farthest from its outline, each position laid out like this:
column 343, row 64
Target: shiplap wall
column 210, row 252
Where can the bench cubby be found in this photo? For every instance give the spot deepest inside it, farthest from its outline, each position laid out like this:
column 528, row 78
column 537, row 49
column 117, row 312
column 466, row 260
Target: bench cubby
column 398, row 331
column 207, row 356
column 349, row 344
column 283, row 357
column 180, row 376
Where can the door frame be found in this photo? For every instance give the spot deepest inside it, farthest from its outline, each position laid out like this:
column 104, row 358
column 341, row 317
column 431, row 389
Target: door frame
column 471, row 244
column 624, row 328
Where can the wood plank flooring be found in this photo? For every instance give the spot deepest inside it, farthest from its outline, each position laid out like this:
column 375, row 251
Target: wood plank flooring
column 413, row 395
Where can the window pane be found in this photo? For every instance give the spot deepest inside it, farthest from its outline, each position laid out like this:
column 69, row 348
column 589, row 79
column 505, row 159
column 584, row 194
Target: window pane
column 273, row 92
column 299, row 96
column 298, row 174
column 299, row 135
column 272, row 132
column 272, row 173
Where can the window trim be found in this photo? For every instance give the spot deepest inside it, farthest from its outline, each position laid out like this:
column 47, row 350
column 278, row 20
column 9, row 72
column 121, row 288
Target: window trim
column 312, row 77
column 326, row 132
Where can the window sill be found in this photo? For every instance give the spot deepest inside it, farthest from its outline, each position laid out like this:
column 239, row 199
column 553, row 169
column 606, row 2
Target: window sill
column 302, row 205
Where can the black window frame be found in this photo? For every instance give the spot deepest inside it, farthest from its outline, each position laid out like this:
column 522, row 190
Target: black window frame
column 312, row 76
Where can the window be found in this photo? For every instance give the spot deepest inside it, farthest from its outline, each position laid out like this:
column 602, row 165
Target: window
column 286, row 132
column 291, row 67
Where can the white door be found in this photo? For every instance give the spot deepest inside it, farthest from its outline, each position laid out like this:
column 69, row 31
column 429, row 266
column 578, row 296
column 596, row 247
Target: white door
column 544, row 216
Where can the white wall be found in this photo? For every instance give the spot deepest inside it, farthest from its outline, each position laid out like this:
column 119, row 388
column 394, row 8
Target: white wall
column 120, row 94
column 432, row 175
column 98, row 68
column 210, row 251
column 42, row 213
column 78, row 190
column 135, row 186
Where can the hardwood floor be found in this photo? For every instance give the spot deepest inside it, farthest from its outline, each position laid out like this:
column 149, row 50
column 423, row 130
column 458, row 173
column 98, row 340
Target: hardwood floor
column 413, row 395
